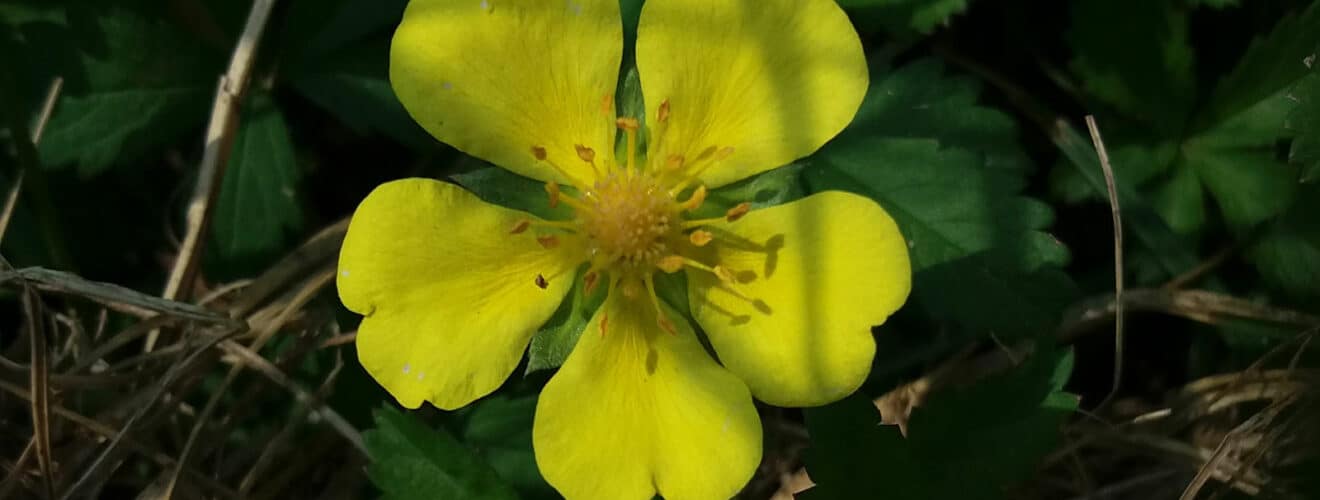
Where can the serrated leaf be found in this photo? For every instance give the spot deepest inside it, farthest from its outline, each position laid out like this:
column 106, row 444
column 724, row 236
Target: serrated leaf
column 1173, row 254
column 978, row 253
column 1271, row 65
column 919, row 100
column 132, row 80
column 963, row 443
column 1286, row 255
column 1304, row 122
column 1145, row 74
column 258, row 209
column 412, row 461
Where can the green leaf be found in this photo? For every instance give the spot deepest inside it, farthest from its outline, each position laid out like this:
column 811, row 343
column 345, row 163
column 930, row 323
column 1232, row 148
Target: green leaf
column 967, row 443
column 555, row 340
column 133, row 81
column 1145, row 74
column 1173, row 254
column 906, row 16
column 499, row 429
column 507, row 189
column 978, row 251
column 1271, row 65
column 1287, row 254
column 351, row 81
column 412, row 461
column 258, row 208
column 1305, row 123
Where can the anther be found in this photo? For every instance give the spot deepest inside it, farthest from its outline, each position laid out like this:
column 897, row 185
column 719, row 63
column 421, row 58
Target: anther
column 548, row 241
column 665, row 324
column 700, row 237
column 663, row 114
column 590, row 281
column 539, row 153
column 607, row 104
column 552, row 192
column 671, row 264
column 674, row 162
column 738, row 212
column 520, row 226
column 542, row 282
column 585, row 153
column 694, row 202
column 627, row 123
column 604, row 321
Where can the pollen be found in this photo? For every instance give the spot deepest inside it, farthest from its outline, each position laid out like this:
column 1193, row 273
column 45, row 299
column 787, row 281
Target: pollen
column 631, row 214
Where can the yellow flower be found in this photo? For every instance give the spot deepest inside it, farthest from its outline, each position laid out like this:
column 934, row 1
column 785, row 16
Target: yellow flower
column 453, row 287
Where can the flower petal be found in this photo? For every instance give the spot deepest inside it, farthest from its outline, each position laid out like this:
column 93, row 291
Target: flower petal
column 811, row 279
column 494, row 78
column 450, row 297
column 773, row 79
column 637, row 410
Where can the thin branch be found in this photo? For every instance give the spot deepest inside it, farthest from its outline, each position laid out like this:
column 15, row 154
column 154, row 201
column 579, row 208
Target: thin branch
column 219, row 140
column 47, row 109
column 1117, row 215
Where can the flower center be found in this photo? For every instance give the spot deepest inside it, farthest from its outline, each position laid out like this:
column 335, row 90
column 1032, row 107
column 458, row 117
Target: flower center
column 630, row 219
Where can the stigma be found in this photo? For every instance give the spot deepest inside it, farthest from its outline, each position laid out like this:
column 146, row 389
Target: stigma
column 632, row 218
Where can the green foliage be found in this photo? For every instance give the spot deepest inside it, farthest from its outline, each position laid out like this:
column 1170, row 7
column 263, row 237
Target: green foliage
column 966, row 443
column 500, row 430
column 1204, row 165
column 132, row 81
column 258, row 208
column 906, row 16
column 978, row 251
column 412, row 461
column 1305, row 122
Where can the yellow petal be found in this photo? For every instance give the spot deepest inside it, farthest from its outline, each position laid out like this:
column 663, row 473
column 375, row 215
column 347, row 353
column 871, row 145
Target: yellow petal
column 495, row 78
column 811, row 279
column 450, row 297
column 773, row 79
column 640, row 410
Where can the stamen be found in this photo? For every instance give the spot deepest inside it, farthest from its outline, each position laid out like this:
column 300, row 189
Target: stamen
column 542, row 282
column 660, row 317
column 607, row 105
column 540, row 154
column 548, row 241
column 671, row 264
column 587, row 155
column 630, row 126
column 556, row 196
column 674, row 163
column 694, row 202
column 590, row 281
column 713, row 155
column 662, row 115
column 738, row 212
column 552, row 192
column 700, row 237
column 520, row 226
